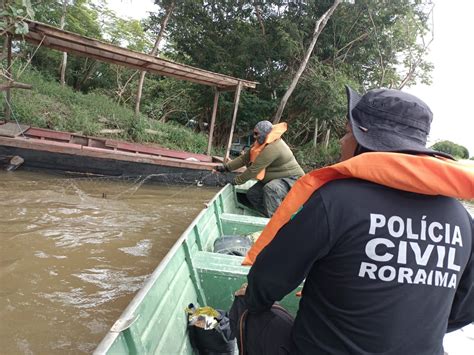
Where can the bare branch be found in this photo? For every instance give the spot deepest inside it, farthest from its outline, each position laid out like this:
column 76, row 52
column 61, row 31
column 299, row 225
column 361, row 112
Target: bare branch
column 378, row 47
column 320, row 24
column 259, row 17
column 154, row 51
column 417, row 62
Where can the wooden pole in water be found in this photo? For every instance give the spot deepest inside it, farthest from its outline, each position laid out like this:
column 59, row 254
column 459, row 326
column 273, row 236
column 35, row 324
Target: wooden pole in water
column 234, row 118
column 9, row 74
column 213, row 121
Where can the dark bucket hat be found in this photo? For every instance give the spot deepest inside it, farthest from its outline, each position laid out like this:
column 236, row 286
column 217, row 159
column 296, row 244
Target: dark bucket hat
column 385, row 120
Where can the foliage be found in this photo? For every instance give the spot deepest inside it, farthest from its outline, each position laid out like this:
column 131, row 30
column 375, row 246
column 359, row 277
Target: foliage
column 49, row 105
column 311, row 158
column 456, row 150
column 12, row 15
column 365, row 44
column 94, row 20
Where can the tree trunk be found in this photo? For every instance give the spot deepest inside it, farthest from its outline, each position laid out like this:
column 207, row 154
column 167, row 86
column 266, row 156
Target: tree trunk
column 326, row 141
column 86, row 76
column 8, row 98
column 62, row 66
column 153, row 52
column 315, row 138
column 320, row 24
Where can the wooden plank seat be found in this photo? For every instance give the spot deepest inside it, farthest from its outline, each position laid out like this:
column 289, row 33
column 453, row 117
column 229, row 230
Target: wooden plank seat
column 244, row 224
column 219, row 276
column 222, row 264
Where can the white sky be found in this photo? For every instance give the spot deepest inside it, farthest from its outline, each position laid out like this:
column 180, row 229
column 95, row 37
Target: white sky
column 451, row 92
column 452, row 51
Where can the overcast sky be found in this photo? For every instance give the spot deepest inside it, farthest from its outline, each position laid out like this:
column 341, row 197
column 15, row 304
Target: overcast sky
column 451, row 52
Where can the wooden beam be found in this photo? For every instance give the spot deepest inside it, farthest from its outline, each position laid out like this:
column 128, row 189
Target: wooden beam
column 71, row 42
column 123, row 62
column 213, row 121
column 234, row 118
column 15, row 85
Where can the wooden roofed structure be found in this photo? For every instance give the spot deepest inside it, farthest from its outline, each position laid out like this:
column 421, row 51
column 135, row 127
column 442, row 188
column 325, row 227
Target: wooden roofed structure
column 64, row 41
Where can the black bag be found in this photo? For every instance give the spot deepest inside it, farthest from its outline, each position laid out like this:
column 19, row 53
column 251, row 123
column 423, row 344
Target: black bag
column 213, row 341
column 264, row 333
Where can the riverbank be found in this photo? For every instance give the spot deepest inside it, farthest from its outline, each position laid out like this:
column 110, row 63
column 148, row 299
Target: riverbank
column 50, row 105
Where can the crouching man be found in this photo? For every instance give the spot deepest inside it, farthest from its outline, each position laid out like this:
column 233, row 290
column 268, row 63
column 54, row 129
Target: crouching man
column 271, row 162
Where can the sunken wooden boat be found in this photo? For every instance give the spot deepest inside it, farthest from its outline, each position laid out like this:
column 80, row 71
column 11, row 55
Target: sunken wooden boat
column 155, row 321
column 82, row 155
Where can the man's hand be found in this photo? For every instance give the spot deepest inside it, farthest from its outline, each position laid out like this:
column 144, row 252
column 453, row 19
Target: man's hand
column 241, row 291
column 220, row 168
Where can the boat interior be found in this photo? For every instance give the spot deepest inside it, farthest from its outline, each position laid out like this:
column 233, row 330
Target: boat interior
column 192, row 272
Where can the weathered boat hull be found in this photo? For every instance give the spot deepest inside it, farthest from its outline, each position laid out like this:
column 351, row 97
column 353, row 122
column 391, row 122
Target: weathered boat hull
column 80, row 165
column 72, row 153
column 155, row 321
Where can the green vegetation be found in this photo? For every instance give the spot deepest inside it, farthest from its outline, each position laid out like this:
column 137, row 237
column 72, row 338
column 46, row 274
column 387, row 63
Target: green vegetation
column 364, row 44
column 312, row 158
column 456, row 150
column 49, row 105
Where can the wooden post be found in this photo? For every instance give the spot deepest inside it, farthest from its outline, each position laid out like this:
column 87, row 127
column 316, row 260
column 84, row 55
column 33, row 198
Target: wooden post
column 9, row 74
column 213, row 121
column 234, row 118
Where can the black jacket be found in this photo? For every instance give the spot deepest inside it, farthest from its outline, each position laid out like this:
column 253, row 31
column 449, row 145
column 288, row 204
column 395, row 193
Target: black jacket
column 387, row 271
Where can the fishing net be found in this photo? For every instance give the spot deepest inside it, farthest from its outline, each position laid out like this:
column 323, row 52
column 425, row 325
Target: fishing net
column 114, row 187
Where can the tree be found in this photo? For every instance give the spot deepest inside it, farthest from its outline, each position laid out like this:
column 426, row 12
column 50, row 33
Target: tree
column 265, row 41
column 154, row 51
column 12, row 15
column 456, row 150
column 317, row 31
column 92, row 19
column 62, row 66
column 363, row 44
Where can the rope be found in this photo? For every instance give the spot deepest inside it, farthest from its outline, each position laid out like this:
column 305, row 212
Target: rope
column 30, row 59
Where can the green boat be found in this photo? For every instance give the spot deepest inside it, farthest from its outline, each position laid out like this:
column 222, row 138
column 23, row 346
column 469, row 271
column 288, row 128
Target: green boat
column 155, row 321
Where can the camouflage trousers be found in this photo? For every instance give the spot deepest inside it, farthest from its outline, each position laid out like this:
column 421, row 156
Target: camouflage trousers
column 266, row 198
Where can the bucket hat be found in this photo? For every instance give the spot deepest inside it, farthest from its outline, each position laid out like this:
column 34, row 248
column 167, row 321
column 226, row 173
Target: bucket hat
column 386, row 120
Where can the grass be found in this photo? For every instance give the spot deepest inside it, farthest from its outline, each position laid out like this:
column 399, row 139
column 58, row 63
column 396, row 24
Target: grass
column 49, row 105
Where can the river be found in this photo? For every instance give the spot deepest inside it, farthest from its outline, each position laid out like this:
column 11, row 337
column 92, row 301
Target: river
column 74, row 251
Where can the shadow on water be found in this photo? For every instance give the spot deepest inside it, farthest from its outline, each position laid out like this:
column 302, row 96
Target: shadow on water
column 74, row 251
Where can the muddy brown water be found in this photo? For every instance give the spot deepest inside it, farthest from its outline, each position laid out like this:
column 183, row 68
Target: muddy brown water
column 73, row 252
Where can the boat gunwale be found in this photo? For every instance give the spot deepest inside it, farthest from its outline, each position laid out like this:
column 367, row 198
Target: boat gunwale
column 93, row 152
column 128, row 312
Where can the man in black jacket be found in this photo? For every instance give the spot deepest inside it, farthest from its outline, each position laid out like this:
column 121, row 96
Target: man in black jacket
column 385, row 271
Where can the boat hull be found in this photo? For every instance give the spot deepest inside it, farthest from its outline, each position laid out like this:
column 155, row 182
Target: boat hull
column 155, row 321
column 89, row 165
column 77, row 154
